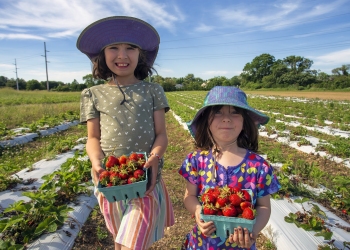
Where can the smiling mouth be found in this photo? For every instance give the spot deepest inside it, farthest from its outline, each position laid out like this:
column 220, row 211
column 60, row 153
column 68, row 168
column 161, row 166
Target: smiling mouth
column 122, row 64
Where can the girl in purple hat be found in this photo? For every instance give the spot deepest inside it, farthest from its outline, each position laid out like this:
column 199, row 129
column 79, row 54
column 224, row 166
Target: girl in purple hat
column 124, row 115
column 225, row 130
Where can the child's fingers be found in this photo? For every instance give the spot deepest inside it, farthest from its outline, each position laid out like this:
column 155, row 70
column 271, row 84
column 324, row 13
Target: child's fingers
column 154, row 174
column 241, row 237
column 207, row 228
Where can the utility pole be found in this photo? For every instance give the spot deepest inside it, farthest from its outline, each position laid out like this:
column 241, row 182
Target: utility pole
column 16, row 75
column 47, row 77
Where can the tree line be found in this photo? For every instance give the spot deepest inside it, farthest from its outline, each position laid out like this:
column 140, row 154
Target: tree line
column 264, row 71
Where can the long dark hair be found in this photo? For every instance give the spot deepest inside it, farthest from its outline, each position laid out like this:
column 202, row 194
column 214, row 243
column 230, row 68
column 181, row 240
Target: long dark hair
column 248, row 138
column 101, row 71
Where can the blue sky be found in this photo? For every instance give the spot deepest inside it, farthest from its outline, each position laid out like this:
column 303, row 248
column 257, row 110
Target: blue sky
column 201, row 37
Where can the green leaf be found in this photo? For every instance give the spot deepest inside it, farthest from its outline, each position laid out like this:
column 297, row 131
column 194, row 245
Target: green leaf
column 43, row 225
column 302, row 200
column 52, row 228
column 12, row 221
column 288, row 219
column 326, row 235
column 306, row 227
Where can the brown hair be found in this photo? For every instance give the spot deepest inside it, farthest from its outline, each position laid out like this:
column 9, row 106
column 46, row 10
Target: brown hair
column 248, row 138
column 101, row 71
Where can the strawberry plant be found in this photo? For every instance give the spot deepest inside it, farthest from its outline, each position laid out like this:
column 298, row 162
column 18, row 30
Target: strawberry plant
column 312, row 219
column 24, row 222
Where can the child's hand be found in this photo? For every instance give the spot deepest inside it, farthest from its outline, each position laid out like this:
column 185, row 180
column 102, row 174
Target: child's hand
column 207, row 228
column 96, row 171
column 242, row 238
column 153, row 164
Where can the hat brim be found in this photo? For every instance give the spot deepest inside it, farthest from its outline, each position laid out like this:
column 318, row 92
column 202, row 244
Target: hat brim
column 258, row 117
column 119, row 29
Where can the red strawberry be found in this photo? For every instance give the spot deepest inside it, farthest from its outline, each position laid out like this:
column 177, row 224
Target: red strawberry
column 208, row 198
column 221, row 201
column 229, row 211
column 114, row 178
column 133, row 157
column 235, row 190
column 123, row 174
column 235, row 199
column 209, row 209
column 219, row 213
column 141, row 163
column 122, row 159
column 239, row 210
column 111, row 161
column 214, row 191
column 344, row 211
column 246, row 195
column 104, row 178
column 141, row 156
column 245, row 204
column 110, row 184
column 248, row 213
column 131, row 180
column 139, row 174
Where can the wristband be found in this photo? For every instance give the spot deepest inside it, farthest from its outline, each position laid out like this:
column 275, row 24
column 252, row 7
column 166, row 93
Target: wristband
column 159, row 158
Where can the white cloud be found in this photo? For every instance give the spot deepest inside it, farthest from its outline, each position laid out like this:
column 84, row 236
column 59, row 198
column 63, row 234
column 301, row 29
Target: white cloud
column 64, row 18
column 277, row 16
column 20, row 37
column 204, row 28
column 338, row 57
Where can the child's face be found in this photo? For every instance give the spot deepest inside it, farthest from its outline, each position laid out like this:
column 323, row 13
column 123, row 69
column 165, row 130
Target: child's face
column 227, row 124
column 122, row 59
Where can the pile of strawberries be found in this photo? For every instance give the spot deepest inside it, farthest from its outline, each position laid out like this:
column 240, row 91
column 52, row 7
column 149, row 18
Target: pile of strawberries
column 228, row 201
column 123, row 170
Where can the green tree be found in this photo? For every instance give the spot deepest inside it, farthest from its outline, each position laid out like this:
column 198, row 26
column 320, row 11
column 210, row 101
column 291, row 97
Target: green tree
column 12, row 83
column 217, row 81
column 258, row 68
column 343, row 70
column 34, row 85
column 297, row 64
column 235, row 81
column 3, row 80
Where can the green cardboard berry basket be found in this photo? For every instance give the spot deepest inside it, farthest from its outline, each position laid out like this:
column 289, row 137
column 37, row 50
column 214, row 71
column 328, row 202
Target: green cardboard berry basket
column 127, row 191
column 225, row 225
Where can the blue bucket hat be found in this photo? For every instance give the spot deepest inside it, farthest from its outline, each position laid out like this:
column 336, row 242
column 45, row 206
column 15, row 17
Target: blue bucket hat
column 232, row 96
column 119, row 29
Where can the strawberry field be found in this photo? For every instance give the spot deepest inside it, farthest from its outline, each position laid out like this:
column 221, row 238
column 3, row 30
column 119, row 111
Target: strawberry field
column 45, row 185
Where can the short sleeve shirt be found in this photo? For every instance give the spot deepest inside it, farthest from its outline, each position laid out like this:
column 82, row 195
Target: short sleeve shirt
column 127, row 127
column 253, row 173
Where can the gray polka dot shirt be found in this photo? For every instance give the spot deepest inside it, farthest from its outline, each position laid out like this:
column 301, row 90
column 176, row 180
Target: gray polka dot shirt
column 128, row 127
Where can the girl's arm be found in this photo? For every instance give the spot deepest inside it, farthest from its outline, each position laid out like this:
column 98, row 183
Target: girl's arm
column 263, row 211
column 93, row 147
column 159, row 146
column 194, row 207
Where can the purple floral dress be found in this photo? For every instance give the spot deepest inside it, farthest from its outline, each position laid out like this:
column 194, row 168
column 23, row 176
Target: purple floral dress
column 252, row 173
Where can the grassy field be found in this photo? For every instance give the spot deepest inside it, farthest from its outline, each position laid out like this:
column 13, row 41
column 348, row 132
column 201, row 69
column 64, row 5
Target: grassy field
column 325, row 95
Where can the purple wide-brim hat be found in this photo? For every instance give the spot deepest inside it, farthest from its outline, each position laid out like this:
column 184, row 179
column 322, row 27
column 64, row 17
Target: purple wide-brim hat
column 232, row 96
column 119, row 29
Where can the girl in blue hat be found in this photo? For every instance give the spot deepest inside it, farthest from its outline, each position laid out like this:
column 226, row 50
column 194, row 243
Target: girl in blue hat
column 225, row 130
column 127, row 114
